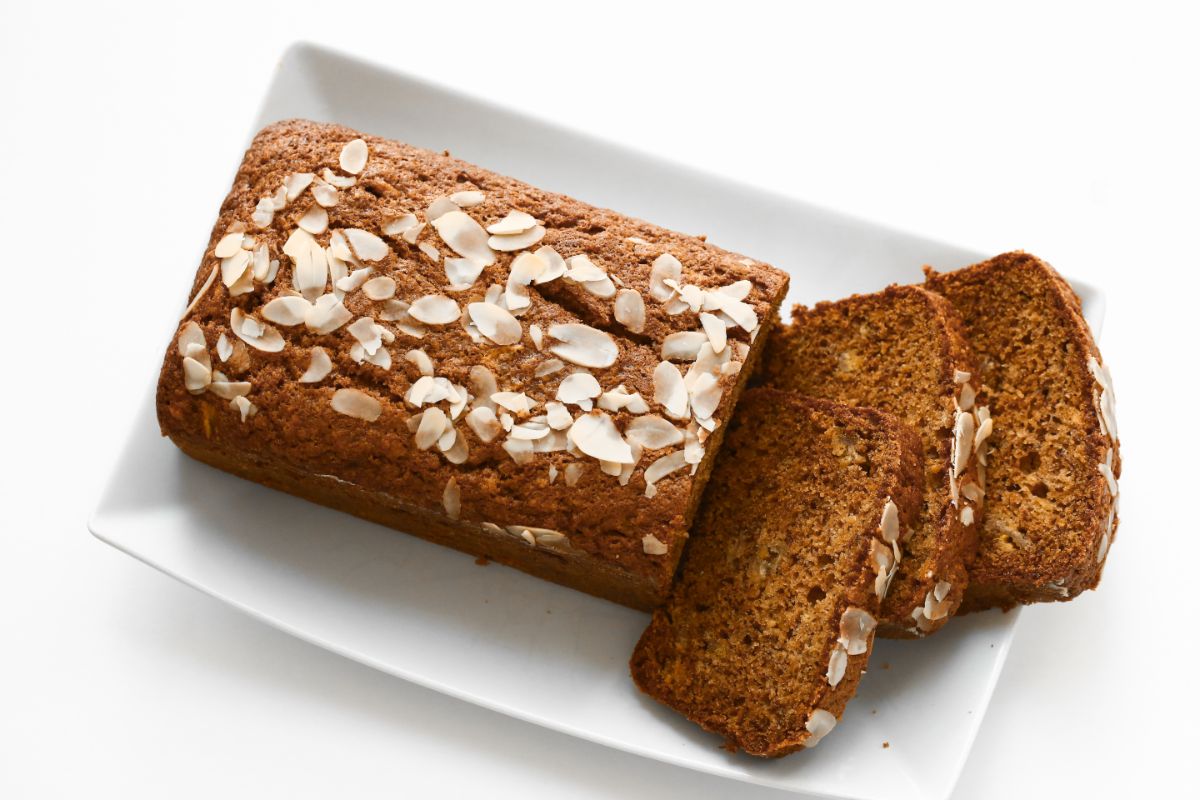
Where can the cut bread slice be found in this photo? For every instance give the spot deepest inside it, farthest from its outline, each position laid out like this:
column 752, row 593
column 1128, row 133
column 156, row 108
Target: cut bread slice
column 771, row 619
column 1053, row 461
column 901, row 350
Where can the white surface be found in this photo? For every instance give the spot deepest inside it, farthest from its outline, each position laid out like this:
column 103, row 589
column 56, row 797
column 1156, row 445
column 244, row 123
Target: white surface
column 1068, row 132
column 426, row 613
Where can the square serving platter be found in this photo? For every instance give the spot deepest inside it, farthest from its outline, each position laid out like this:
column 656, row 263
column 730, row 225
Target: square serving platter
column 494, row 636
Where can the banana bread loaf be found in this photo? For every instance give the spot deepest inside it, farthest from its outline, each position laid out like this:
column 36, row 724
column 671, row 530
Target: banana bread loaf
column 426, row 344
column 771, row 620
column 1053, row 459
column 901, row 350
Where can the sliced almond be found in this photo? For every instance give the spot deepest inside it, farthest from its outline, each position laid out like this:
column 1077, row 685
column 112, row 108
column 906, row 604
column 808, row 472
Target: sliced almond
column 517, row 241
column 287, row 310
column 583, row 345
column 482, row 420
column 514, row 222
column 315, row 220
column 295, row 184
column 327, row 315
column 439, row 206
column 353, row 157
column 397, row 226
column 818, row 725
column 468, row 198
column 461, row 273
column 354, row 403
column 653, row 432
column 556, row 266
column 653, row 546
column 666, row 267
column 434, row 309
column 670, row 391
column 366, row 245
column 683, row 346
column 254, row 333
column 579, row 389
column 381, row 288
column 434, row 423
column 629, row 309
column 661, row 468
column 452, row 499
column 229, row 245
column 596, row 435
column 495, row 323
column 465, row 236
column 715, row 329
column 319, row 366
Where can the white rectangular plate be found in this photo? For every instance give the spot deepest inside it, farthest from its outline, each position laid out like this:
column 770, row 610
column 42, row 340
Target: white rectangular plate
column 497, row 637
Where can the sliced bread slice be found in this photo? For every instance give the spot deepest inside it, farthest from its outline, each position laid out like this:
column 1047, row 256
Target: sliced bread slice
column 901, row 350
column 771, row 619
column 1053, row 461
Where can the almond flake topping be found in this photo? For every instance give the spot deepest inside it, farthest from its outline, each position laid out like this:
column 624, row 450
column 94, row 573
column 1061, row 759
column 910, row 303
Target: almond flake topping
column 856, row 628
column 315, row 220
column 421, row 360
column 621, row 398
column 452, row 499
column 548, row 367
column 196, row 376
column 818, row 725
column 683, row 346
column 556, row 267
column 465, row 236
column 327, row 315
column 434, row 309
column 514, row 222
column 295, row 184
column 434, row 423
column 670, row 391
column 715, row 329
column 286, row 310
column 515, row 402
column 583, row 345
column 467, row 199
column 596, row 435
column 629, row 309
column 889, row 525
column 461, row 273
column 661, row 468
column 319, row 366
column 837, row 665
column 482, row 420
column 665, row 267
column 325, row 194
column 396, row 226
column 557, row 416
column 653, row 432
column 254, row 333
column 440, row 206
column 381, row 288
column 244, row 407
column 353, row 157
column 229, row 245
column 495, row 323
column 517, row 241
column 366, row 245
column 579, row 389
column 224, row 347
column 525, row 269
column 204, row 287
column 354, row 403
column 964, row 437
column 311, row 263
column 961, row 376
column 652, row 546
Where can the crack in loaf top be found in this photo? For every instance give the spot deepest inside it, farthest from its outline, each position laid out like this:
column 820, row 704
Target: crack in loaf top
column 418, row 322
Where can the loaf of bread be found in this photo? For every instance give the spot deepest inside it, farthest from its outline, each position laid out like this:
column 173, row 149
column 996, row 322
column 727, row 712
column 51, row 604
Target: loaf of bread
column 1053, row 459
column 771, row 620
column 423, row 343
column 903, row 351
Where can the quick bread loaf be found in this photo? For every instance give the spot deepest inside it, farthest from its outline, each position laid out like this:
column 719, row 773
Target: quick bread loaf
column 424, row 343
column 771, row 620
column 902, row 351
column 1053, row 458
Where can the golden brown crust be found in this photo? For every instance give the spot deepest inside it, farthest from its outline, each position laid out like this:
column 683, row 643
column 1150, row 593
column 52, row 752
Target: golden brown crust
column 295, row 431
column 898, row 350
column 1046, row 527
column 782, row 548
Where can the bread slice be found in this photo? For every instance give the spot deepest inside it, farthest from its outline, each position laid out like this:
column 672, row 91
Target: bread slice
column 1053, row 459
column 901, row 350
column 770, row 621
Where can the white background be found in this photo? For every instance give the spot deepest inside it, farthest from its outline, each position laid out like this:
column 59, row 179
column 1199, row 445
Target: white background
column 1070, row 132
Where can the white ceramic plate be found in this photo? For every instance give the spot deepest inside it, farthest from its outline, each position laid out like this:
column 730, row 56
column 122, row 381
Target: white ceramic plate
column 495, row 636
